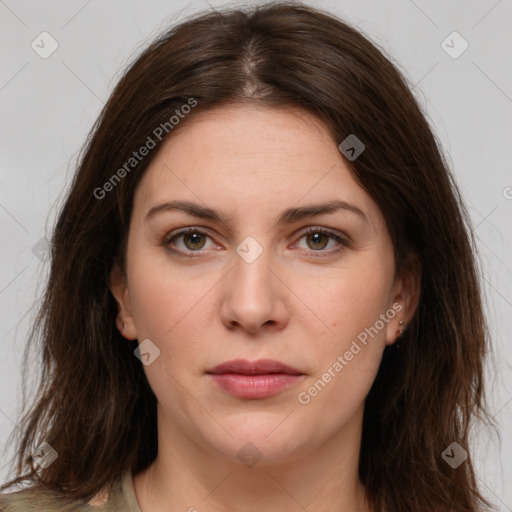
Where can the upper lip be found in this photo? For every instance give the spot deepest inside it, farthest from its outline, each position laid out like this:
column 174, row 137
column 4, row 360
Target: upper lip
column 259, row 367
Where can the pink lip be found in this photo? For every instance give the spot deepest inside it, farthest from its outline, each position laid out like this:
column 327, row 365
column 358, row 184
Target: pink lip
column 259, row 367
column 258, row 379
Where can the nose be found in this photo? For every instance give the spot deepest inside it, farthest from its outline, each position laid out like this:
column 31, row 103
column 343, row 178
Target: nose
column 254, row 296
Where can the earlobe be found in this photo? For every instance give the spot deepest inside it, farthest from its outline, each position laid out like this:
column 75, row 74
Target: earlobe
column 407, row 295
column 118, row 286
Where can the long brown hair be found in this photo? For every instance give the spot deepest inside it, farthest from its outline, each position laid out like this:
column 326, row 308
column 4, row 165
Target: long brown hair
column 94, row 405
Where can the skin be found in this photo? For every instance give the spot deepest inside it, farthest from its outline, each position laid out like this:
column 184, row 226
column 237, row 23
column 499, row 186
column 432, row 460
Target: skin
column 289, row 304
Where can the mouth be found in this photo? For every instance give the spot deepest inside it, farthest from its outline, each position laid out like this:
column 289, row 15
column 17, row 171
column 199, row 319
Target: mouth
column 259, row 367
column 254, row 380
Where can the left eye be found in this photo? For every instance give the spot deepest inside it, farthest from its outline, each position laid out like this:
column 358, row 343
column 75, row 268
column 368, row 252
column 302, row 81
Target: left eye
column 194, row 239
column 319, row 239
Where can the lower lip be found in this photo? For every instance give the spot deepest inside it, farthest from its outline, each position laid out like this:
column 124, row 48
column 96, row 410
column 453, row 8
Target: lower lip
column 254, row 386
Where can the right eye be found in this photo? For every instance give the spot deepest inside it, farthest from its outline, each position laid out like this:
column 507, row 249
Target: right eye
column 193, row 240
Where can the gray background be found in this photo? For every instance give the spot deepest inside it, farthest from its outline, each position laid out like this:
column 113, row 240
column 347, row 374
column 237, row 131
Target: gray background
column 49, row 105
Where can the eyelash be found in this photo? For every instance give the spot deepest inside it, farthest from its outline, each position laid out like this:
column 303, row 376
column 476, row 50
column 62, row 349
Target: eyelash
column 190, row 254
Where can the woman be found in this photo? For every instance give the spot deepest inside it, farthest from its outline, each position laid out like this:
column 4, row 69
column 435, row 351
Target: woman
column 263, row 293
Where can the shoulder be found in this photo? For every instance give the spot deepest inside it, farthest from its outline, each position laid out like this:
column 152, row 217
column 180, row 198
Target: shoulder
column 119, row 498
column 42, row 500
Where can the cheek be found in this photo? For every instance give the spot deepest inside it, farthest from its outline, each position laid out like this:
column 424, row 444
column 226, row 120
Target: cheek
column 170, row 310
column 351, row 351
column 173, row 309
column 351, row 305
column 350, row 299
column 162, row 295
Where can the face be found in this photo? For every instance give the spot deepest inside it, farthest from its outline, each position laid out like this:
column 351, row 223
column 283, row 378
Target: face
column 249, row 271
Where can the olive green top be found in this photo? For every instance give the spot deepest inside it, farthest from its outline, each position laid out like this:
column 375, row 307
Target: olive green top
column 121, row 499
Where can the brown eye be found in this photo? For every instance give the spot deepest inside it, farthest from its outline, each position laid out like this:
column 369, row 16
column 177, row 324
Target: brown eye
column 193, row 240
column 317, row 239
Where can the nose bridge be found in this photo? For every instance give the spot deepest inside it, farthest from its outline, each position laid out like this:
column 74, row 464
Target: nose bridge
column 252, row 266
column 251, row 299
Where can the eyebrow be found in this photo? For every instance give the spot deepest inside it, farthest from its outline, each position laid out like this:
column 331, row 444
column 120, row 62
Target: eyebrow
column 288, row 216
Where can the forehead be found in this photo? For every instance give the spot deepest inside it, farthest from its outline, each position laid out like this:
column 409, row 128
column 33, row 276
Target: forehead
column 279, row 137
column 239, row 159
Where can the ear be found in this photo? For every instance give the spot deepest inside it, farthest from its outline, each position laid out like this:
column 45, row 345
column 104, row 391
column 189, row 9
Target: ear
column 118, row 286
column 406, row 297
